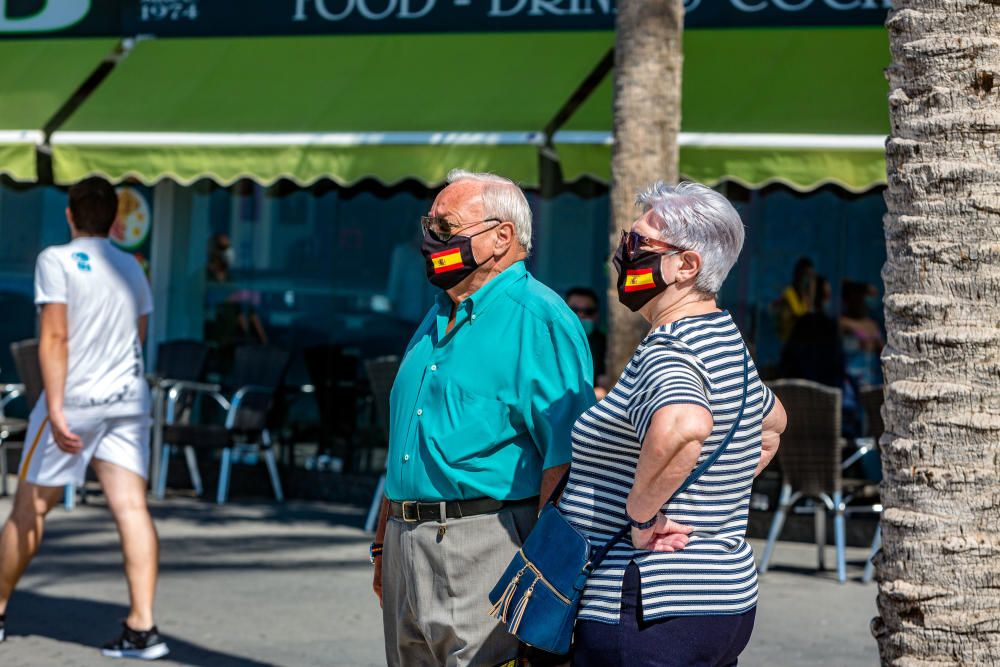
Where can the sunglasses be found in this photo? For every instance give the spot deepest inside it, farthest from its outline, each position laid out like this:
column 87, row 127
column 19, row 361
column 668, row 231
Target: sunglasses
column 633, row 242
column 443, row 230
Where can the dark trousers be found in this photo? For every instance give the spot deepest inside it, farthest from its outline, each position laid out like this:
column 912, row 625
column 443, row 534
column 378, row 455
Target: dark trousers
column 680, row 641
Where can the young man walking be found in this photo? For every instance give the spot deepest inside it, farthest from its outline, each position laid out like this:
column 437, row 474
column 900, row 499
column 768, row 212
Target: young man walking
column 94, row 302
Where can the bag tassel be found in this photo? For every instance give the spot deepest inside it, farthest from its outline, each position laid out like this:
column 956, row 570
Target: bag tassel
column 508, row 594
column 522, row 605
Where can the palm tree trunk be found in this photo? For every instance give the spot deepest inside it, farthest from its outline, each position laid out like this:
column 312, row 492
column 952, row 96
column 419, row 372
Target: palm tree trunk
column 647, row 120
column 939, row 569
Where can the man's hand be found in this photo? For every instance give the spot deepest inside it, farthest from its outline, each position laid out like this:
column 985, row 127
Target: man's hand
column 665, row 535
column 377, row 579
column 65, row 439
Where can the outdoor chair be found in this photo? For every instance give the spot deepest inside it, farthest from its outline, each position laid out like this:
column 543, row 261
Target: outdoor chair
column 29, row 372
column 872, row 400
column 381, row 375
column 178, row 361
column 811, row 459
column 10, row 427
column 334, row 377
column 258, row 374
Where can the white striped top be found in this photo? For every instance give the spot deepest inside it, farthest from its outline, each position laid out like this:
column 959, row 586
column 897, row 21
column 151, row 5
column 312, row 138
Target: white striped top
column 699, row 361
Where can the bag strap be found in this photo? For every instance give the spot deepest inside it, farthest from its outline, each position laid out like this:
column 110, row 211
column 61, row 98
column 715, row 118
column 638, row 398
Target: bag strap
column 601, row 553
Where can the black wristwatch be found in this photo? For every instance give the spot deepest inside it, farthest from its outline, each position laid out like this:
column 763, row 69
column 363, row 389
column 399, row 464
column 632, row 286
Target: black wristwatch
column 374, row 551
column 642, row 525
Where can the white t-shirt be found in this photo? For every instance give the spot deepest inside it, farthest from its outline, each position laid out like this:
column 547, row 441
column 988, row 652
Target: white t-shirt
column 105, row 292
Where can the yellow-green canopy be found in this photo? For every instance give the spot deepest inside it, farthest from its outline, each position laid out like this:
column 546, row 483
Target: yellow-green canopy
column 36, row 79
column 803, row 106
column 344, row 107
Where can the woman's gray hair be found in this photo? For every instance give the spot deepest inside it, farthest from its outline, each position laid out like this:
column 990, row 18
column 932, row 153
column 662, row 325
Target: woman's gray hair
column 502, row 199
column 695, row 217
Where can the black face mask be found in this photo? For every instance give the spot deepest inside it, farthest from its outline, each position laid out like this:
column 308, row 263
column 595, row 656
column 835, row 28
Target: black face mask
column 639, row 277
column 451, row 262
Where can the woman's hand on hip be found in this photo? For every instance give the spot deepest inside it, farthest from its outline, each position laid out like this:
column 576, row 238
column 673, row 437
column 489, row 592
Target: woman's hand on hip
column 664, row 535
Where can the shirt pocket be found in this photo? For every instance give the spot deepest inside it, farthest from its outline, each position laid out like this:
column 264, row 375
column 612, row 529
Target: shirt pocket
column 472, row 426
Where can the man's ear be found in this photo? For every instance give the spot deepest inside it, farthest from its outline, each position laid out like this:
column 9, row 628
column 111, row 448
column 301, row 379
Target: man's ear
column 69, row 221
column 505, row 237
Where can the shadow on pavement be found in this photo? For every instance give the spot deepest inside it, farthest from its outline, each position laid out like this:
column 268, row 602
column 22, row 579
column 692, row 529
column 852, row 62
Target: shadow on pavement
column 91, row 624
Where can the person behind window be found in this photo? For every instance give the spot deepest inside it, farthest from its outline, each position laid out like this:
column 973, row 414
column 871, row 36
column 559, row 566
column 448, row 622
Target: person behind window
column 236, row 319
column 814, row 350
column 797, row 299
column 863, row 341
column 583, row 301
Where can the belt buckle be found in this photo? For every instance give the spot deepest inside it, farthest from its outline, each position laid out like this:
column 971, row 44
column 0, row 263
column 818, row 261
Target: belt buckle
column 415, row 518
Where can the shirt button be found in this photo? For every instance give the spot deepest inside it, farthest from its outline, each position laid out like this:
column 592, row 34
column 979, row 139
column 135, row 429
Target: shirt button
column 434, row 367
column 473, row 316
column 420, row 411
column 406, row 457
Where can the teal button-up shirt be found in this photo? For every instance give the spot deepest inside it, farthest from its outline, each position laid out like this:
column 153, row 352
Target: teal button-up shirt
column 480, row 411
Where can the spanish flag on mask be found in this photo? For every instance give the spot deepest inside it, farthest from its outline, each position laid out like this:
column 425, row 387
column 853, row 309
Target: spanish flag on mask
column 447, row 260
column 637, row 280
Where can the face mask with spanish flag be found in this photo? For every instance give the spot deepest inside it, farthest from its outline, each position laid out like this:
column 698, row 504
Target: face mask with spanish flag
column 449, row 263
column 639, row 276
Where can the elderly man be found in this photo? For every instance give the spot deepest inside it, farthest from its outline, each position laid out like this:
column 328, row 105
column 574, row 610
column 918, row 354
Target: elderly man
column 480, row 420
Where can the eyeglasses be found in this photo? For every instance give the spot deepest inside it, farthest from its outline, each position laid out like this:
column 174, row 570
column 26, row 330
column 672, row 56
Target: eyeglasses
column 443, row 230
column 587, row 311
column 633, row 242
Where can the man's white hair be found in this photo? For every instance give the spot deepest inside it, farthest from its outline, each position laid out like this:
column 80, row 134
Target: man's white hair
column 502, row 199
column 695, row 217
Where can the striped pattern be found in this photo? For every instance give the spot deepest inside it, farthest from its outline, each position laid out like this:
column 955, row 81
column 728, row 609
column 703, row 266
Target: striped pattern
column 23, row 475
column 695, row 361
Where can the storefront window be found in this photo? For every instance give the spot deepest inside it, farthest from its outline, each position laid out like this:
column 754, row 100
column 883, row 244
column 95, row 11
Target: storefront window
column 31, row 218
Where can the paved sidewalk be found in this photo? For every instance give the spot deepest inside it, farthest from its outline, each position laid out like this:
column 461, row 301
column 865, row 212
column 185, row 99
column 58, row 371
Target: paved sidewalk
column 254, row 584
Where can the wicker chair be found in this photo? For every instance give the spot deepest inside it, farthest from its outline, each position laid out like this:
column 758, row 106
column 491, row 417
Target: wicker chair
column 872, row 399
column 811, row 456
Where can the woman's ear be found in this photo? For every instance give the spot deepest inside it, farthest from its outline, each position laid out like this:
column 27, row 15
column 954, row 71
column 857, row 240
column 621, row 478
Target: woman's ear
column 690, row 266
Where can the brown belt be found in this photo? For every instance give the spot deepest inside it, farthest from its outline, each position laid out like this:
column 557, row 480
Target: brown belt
column 414, row 511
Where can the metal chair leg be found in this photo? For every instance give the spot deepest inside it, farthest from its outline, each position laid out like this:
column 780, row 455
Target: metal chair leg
column 840, row 535
column 819, row 519
column 372, row 520
column 3, row 470
column 161, row 482
column 785, row 502
column 225, row 469
column 69, row 497
column 272, row 469
column 271, row 462
column 870, row 565
column 192, row 464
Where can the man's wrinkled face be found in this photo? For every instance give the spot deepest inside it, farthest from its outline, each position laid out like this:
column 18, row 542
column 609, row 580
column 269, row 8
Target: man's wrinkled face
column 461, row 204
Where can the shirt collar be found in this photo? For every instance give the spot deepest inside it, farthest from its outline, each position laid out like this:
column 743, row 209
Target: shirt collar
column 481, row 299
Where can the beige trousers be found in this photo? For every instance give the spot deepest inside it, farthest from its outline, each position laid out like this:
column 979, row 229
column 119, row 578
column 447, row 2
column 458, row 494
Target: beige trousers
column 436, row 578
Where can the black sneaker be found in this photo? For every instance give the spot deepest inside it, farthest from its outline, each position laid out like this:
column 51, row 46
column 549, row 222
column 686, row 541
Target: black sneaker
column 148, row 645
column 3, row 628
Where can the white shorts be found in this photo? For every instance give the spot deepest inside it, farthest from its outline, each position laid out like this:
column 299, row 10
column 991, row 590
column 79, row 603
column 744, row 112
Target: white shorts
column 123, row 441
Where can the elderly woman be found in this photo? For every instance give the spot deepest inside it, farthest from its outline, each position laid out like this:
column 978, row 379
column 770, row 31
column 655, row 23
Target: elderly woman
column 683, row 590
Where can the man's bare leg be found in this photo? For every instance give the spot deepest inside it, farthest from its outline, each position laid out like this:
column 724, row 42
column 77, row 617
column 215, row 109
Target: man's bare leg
column 22, row 533
column 126, row 494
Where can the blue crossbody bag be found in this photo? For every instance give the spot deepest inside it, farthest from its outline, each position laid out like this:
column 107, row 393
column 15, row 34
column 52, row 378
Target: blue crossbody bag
column 539, row 593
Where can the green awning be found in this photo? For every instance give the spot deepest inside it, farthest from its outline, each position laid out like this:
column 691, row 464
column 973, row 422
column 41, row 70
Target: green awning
column 799, row 106
column 36, row 79
column 344, row 108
